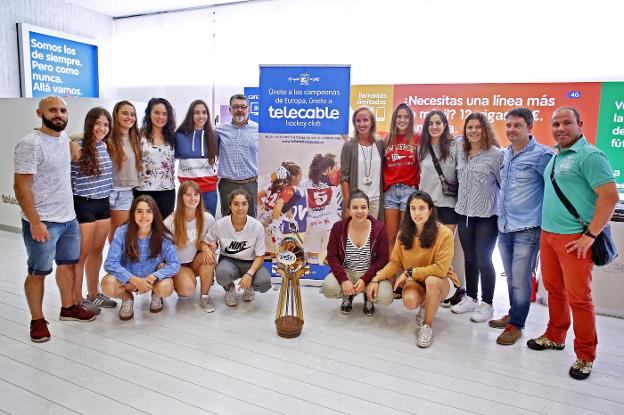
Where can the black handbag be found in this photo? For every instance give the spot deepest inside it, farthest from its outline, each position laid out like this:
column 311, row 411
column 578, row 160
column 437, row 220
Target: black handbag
column 448, row 188
column 603, row 248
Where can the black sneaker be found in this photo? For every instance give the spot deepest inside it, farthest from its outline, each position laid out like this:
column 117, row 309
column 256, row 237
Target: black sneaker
column 369, row 307
column 544, row 343
column 455, row 299
column 581, row 369
column 347, row 304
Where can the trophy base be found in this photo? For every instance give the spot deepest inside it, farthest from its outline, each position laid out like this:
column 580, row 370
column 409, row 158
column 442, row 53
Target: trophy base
column 289, row 326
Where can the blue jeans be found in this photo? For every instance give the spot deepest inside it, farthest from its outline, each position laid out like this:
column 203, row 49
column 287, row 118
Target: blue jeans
column 518, row 251
column 210, row 201
column 478, row 239
column 62, row 247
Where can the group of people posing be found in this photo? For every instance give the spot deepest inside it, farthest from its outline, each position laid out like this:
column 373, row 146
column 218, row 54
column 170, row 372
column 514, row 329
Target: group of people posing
column 403, row 198
column 421, row 187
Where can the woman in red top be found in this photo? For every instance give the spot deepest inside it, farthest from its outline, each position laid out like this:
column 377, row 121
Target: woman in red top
column 401, row 173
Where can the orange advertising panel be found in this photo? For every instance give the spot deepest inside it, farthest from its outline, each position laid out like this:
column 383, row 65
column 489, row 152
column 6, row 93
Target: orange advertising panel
column 494, row 100
column 379, row 98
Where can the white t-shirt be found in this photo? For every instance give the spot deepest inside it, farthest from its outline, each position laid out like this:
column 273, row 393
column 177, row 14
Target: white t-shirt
column 47, row 158
column 369, row 162
column 245, row 245
column 324, row 203
column 187, row 254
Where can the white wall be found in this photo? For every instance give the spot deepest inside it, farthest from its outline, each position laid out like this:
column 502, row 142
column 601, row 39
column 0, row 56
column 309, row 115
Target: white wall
column 393, row 41
column 18, row 118
column 55, row 15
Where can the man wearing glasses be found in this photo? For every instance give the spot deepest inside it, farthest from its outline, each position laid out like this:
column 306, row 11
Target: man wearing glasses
column 238, row 154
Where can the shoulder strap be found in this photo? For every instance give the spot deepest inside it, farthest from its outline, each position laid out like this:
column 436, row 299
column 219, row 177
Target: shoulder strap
column 436, row 163
column 562, row 197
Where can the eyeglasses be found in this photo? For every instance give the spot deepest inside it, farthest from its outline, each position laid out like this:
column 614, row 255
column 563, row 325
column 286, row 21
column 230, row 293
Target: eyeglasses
column 240, row 107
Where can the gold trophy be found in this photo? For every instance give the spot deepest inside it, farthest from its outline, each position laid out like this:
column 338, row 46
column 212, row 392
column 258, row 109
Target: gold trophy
column 290, row 266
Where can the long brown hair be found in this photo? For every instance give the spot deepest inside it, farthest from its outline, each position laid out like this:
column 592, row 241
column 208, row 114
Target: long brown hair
column 319, row 164
column 114, row 142
column 445, row 139
column 407, row 230
column 159, row 231
column 489, row 138
column 188, row 126
column 394, row 130
column 89, row 157
column 180, row 237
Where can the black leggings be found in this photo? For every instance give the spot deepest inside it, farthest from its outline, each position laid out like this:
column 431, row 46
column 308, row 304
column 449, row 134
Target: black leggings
column 478, row 239
column 165, row 199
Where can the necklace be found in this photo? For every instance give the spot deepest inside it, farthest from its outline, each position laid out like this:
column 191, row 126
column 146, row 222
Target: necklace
column 367, row 180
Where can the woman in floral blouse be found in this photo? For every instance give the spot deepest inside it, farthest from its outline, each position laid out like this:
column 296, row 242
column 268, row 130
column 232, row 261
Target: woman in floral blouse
column 157, row 155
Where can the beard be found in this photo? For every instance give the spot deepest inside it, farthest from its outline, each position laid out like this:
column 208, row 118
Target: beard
column 52, row 126
column 240, row 119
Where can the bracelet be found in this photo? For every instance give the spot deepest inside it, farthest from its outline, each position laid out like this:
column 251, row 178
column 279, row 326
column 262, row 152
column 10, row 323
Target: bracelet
column 249, row 273
column 588, row 233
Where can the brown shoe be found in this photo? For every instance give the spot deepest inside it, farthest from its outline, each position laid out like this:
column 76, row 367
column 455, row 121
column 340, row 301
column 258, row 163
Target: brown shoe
column 76, row 313
column 509, row 336
column 501, row 323
column 39, row 332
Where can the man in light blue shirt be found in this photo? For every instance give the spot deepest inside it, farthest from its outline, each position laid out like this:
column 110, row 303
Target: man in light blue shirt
column 238, row 154
column 519, row 217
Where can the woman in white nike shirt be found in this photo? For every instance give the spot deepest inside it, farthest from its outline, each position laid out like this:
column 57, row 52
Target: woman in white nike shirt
column 240, row 239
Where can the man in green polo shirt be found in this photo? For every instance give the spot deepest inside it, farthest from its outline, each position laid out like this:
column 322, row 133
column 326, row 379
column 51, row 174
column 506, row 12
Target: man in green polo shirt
column 585, row 177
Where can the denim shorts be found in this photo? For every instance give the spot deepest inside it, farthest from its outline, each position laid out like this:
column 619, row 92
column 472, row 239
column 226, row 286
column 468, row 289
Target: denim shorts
column 121, row 200
column 396, row 196
column 62, row 247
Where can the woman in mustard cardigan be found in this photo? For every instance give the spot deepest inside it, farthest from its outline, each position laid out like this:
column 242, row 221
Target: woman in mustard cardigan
column 423, row 251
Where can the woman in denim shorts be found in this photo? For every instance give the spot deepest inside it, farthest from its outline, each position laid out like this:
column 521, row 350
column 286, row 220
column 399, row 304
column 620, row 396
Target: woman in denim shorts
column 124, row 148
column 401, row 173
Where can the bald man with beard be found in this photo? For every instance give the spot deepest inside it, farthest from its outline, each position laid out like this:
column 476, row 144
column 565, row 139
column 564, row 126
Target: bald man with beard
column 49, row 226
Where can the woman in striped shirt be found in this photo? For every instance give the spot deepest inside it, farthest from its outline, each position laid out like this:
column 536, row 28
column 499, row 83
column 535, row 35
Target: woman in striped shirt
column 479, row 161
column 357, row 249
column 92, row 184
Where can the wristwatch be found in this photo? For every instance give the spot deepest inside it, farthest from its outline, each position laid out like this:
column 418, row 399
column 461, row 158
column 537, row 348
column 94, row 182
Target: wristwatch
column 408, row 272
column 588, row 233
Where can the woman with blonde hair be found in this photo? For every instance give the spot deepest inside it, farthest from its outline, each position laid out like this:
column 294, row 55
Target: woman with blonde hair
column 361, row 163
column 189, row 224
column 124, row 148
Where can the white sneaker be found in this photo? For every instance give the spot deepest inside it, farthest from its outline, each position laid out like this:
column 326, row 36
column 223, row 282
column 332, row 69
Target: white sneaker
column 466, row 305
column 230, row 296
column 249, row 294
column 205, row 302
column 126, row 311
column 420, row 317
column 483, row 313
column 425, row 336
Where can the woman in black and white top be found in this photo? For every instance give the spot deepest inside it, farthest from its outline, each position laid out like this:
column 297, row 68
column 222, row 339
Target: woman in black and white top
column 357, row 249
column 240, row 239
column 478, row 170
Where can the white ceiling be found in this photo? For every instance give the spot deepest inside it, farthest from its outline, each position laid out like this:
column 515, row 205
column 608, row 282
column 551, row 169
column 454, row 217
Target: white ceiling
column 122, row 8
